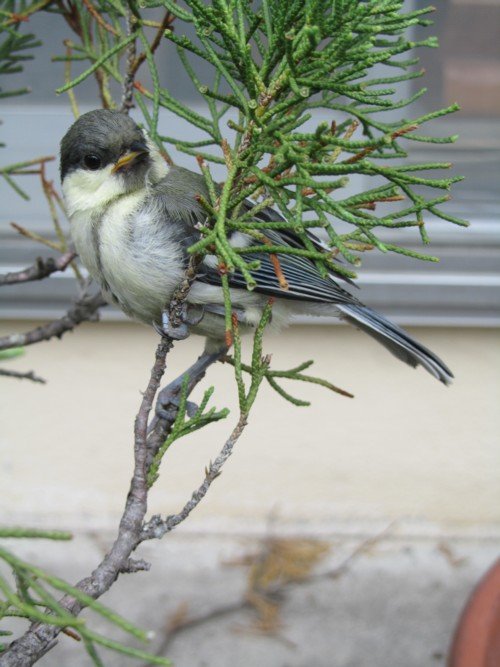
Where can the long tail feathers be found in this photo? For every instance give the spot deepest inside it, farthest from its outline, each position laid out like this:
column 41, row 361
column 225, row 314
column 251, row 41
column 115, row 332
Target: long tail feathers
column 396, row 340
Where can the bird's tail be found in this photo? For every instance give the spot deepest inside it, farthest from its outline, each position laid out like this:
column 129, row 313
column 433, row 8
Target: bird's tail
column 396, row 340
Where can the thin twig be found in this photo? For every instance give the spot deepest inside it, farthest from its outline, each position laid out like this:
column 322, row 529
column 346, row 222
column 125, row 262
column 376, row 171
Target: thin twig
column 30, row 375
column 83, row 310
column 128, row 82
column 18, row 167
column 26, row 650
column 67, row 78
column 24, row 16
column 134, row 62
column 98, row 17
column 52, row 197
column 40, row 270
column 158, row 527
column 33, row 236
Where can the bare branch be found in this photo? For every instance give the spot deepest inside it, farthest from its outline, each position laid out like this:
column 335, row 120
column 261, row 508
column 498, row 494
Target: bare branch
column 26, row 650
column 135, row 565
column 83, row 310
column 30, row 375
column 134, row 62
column 40, row 270
column 158, row 527
column 128, row 82
column 99, row 18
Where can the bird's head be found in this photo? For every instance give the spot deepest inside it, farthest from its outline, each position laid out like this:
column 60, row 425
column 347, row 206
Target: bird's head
column 105, row 155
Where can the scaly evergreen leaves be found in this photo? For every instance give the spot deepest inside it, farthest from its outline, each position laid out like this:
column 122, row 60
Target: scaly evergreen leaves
column 30, row 595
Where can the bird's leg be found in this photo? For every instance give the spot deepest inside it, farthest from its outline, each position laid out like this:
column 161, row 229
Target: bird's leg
column 168, row 398
column 190, row 315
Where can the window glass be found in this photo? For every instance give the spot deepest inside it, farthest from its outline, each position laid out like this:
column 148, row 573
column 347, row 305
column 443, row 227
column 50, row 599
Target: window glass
column 466, row 69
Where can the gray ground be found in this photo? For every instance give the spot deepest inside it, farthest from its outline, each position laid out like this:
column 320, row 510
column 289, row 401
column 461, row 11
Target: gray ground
column 393, row 602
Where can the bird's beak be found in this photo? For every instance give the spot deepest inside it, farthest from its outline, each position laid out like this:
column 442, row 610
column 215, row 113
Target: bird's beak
column 130, row 156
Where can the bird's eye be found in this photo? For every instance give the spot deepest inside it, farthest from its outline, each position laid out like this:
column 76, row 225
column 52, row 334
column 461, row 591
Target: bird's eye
column 92, row 162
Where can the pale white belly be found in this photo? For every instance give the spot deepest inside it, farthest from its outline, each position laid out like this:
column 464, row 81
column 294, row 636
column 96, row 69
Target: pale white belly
column 132, row 254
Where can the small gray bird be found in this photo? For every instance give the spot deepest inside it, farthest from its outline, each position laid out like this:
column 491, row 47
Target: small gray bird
column 133, row 218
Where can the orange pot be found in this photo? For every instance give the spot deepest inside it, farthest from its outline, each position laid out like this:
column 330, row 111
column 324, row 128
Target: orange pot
column 476, row 642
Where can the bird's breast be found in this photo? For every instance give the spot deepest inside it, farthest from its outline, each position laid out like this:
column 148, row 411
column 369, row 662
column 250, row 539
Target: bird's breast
column 129, row 248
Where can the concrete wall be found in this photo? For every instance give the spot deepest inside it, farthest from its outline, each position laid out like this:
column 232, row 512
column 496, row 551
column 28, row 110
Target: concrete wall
column 405, row 446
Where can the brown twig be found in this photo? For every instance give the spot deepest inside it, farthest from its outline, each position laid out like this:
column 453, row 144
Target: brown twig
column 71, row 14
column 40, row 270
column 157, row 527
column 18, row 169
column 67, row 79
column 52, row 197
column 283, row 283
column 98, row 17
column 16, row 17
column 134, row 62
column 30, row 375
column 73, row 635
column 101, row 84
column 83, row 310
column 369, row 149
column 34, row 236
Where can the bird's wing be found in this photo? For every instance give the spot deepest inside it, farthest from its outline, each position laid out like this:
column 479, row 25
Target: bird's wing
column 288, row 237
column 176, row 195
column 302, row 277
column 178, row 191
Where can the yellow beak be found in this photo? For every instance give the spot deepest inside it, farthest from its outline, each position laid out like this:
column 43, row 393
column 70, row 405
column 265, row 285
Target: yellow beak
column 126, row 159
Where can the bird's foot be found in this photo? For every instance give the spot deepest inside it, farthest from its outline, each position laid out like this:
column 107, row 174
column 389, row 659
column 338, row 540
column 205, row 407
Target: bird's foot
column 169, row 401
column 189, row 316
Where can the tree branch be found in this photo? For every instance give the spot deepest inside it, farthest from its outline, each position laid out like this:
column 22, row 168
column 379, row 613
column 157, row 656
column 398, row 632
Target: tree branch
column 42, row 268
column 134, row 62
column 30, row 375
column 83, row 310
column 158, row 527
column 128, row 83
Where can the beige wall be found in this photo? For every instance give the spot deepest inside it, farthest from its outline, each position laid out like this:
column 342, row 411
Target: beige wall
column 405, row 447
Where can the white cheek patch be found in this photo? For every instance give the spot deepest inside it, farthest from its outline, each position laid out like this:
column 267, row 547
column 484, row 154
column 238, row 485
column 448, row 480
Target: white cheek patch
column 85, row 189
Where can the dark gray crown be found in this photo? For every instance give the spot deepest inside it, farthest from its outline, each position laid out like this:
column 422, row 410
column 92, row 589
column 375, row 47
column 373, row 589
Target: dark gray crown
column 100, row 132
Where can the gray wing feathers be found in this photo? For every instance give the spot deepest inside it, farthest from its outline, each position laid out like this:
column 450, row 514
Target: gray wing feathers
column 396, row 340
column 304, row 281
column 178, row 194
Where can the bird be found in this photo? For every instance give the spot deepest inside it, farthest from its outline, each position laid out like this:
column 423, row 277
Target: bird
column 133, row 218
